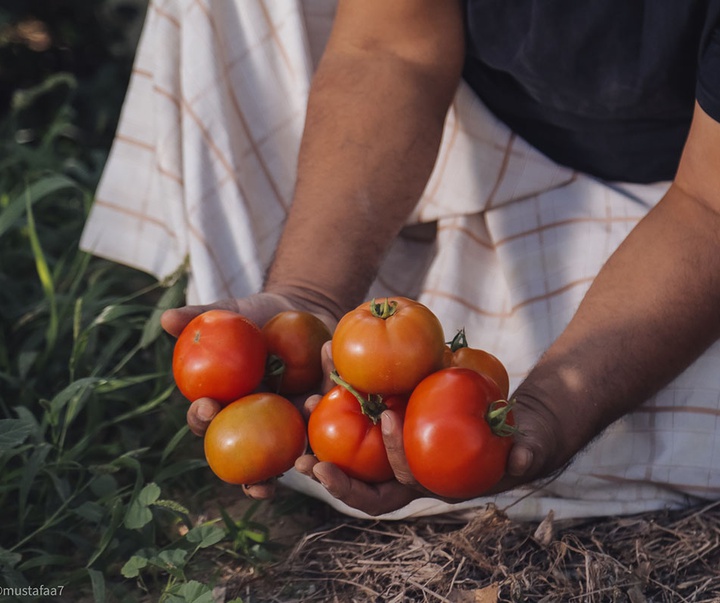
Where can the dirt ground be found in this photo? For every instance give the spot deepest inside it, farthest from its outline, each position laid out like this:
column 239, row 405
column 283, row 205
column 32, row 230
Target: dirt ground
column 325, row 556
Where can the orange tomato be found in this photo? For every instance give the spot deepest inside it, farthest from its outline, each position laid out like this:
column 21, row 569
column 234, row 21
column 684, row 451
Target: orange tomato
column 255, row 438
column 459, row 354
column 388, row 347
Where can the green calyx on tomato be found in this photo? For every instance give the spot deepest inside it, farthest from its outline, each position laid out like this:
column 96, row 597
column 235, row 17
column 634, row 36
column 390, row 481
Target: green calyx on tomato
column 274, row 367
column 459, row 341
column 384, row 309
column 372, row 405
column 294, row 342
column 498, row 415
column 450, row 433
column 459, row 353
column 388, row 347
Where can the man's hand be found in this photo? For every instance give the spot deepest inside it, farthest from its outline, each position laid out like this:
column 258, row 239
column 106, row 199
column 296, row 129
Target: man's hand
column 258, row 308
column 537, row 452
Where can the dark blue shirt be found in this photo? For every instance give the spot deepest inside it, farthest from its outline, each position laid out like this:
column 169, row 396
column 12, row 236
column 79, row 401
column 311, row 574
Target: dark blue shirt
column 603, row 86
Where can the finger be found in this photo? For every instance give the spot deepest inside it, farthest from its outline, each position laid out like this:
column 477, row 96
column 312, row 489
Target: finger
column 391, row 426
column 310, row 405
column 261, row 490
column 200, row 413
column 175, row 320
column 328, row 366
column 373, row 499
column 305, row 464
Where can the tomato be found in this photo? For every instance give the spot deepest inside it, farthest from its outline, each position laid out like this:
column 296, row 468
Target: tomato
column 480, row 361
column 294, row 340
column 346, row 432
column 255, row 438
column 457, row 433
column 220, row 355
column 388, row 347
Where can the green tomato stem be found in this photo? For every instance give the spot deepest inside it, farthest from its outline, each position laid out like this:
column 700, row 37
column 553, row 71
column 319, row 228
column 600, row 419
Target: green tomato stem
column 371, row 406
column 497, row 416
column 274, row 371
column 383, row 309
column 459, row 341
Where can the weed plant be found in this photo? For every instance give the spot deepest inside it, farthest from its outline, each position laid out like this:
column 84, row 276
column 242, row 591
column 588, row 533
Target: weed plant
column 94, row 449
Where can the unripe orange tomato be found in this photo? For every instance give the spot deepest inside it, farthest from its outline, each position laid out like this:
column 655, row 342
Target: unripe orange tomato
column 387, row 347
column 460, row 354
column 255, row 438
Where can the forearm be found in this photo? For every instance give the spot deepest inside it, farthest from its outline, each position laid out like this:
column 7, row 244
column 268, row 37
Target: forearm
column 652, row 310
column 373, row 129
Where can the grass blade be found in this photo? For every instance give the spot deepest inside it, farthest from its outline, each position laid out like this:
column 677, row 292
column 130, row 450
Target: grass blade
column 45, row 276
column 33, row 193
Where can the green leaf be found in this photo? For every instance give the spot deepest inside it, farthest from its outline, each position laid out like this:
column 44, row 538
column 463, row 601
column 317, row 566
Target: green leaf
column 61, row 399
column 45, row 276
column 137, row 516
column 172, row 561
column 36, row 191
column 116, row 517
column 14, row 432
column 174, row 441
column 172, row 297
column 44, row 560
column 132, row 566
column 190, row 592
column 98, row 585
column 139, row 513
column 149, row 494
column 205, row 535
column 9, row 559
column 30, row 471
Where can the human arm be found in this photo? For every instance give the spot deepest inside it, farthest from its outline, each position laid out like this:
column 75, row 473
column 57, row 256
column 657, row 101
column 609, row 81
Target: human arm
column 650, row 312
column 374, row 122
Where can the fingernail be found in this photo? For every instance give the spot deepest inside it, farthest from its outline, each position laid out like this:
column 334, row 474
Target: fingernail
column 205, row 412
column 386, row 423
column 520, row 462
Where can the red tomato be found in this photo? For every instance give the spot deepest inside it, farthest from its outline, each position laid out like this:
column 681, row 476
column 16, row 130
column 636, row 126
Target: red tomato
column 220, row 355
column 255, row 438
column 480, row 361
column 388, row 347
column 457, row 433
column 340, row 432
column 294, row 340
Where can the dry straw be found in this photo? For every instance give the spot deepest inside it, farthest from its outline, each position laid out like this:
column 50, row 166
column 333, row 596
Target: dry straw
column 650, row 558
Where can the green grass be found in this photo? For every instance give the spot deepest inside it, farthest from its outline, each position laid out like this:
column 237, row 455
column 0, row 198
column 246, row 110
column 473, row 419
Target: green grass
column 95, row 454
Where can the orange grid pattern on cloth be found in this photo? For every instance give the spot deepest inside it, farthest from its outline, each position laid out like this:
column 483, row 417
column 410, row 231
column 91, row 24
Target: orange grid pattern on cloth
column 203, row 168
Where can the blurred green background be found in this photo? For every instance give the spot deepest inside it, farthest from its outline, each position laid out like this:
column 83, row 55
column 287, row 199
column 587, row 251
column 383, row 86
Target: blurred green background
column 99, row 478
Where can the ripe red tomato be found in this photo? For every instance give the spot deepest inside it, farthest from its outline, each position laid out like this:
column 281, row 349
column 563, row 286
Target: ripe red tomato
column 341, row 433
column 460, row 354
column 255, row 438
column 220, row 355
column 388, row 347
column 294, row 340
column 457, row 433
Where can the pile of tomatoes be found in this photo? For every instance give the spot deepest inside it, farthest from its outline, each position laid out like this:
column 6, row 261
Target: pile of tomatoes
column 388, row 354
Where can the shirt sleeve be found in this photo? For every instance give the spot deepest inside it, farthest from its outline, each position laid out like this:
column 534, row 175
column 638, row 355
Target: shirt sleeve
column 708, row 83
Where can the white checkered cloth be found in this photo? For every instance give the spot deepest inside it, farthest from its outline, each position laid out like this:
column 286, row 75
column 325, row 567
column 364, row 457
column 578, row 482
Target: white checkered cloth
column 203, row 167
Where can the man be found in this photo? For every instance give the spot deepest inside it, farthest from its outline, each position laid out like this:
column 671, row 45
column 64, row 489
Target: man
column 374, row 125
